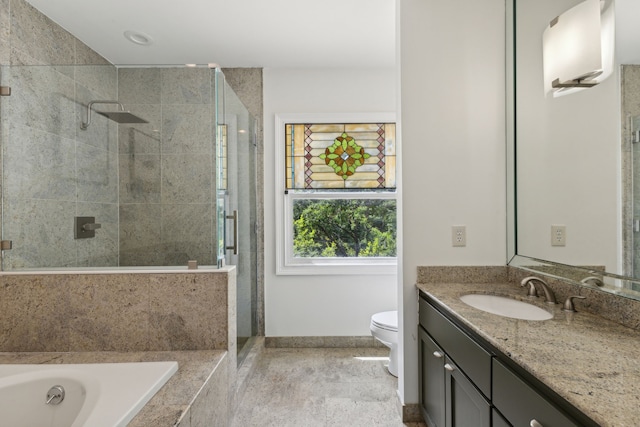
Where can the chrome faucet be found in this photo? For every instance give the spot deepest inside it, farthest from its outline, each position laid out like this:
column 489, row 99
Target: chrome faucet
column 549, row 296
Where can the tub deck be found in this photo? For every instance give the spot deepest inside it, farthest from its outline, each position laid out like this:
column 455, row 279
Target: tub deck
column 196, row 394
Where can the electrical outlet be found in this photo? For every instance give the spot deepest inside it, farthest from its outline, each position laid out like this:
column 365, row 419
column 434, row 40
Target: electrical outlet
column 558, row 235
column 458, row 236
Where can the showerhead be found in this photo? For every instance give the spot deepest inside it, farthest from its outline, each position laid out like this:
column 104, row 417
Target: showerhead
column 117, row 116
column 122, row 116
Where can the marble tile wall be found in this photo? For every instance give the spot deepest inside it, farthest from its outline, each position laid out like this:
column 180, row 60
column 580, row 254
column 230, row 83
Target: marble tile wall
column 630, row 90
column 167, row 184
column 118, row 312
column 55, row 171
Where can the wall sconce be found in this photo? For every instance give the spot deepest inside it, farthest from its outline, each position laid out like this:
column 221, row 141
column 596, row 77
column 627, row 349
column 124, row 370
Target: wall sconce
column 578, row 48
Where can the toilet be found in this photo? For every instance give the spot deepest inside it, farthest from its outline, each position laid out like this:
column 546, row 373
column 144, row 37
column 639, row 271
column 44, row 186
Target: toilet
column 384, row 328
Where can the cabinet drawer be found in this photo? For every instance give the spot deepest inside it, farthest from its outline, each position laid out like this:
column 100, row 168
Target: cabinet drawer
column 520, row 403
column 474, row 360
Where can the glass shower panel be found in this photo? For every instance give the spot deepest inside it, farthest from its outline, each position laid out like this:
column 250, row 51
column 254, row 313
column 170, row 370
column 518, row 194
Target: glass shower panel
column 54, row 172
column 237, row 176
column 635, row 149
column 148, row 188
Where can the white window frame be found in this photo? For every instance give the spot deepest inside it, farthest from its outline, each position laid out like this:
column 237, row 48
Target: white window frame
column 286, row 263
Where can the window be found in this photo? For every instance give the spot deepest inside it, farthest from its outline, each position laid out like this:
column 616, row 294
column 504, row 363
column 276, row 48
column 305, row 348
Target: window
column 336, row 178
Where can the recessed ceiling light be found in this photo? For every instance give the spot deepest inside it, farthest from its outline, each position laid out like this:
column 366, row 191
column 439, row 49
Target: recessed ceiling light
column 138, row 37
column 191, row 65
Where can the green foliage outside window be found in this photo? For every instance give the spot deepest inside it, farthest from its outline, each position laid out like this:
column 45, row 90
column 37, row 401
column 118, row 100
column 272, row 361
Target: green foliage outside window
column 344, row 228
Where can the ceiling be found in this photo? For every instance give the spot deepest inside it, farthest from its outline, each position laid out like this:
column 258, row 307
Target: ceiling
column 234, row 33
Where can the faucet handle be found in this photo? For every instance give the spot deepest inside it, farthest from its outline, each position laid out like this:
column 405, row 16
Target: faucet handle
column 568, row 304
column 532, row 292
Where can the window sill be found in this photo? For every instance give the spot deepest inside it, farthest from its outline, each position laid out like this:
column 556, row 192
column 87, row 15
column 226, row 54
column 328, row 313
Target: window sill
column 320, row 267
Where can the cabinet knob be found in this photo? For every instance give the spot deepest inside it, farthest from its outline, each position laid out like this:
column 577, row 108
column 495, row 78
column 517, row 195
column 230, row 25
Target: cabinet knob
column 438, row 354
column 450, row 368
column 535, row 423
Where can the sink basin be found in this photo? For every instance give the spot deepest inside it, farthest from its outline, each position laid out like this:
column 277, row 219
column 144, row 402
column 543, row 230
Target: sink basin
column 507, row 307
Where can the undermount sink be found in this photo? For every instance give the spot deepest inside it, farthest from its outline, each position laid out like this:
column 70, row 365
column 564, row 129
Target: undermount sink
column 507, row 307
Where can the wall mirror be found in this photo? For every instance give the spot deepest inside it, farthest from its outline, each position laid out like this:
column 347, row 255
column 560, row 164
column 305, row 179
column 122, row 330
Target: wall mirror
column 576, row 213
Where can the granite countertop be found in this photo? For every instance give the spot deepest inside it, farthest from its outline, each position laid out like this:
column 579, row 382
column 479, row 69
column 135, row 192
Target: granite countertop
column 173, row 400
column 591, row 362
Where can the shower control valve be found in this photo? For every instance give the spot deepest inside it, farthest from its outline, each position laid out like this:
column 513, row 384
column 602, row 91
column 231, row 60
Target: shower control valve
column 85, row 227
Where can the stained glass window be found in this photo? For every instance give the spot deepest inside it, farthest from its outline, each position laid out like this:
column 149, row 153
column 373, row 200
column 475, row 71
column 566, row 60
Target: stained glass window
column 340, row 156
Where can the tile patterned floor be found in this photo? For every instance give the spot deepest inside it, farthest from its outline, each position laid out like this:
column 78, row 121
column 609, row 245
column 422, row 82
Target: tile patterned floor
column 308, row 387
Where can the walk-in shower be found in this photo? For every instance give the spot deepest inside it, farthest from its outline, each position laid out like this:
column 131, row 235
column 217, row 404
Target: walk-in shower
column 160, row 165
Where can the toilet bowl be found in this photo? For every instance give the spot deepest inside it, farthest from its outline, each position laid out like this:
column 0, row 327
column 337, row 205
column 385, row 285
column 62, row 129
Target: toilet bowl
column 384, row 328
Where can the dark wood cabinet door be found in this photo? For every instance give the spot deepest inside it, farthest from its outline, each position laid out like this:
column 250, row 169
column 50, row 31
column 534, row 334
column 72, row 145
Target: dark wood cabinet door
column 497, row 420
column 465, row 405
column 432, row 380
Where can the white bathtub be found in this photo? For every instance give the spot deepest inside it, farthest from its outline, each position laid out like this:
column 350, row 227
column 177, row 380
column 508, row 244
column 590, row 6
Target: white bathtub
column 96, row 395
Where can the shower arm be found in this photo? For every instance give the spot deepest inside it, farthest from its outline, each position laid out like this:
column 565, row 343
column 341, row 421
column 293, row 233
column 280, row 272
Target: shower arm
column 86, row 124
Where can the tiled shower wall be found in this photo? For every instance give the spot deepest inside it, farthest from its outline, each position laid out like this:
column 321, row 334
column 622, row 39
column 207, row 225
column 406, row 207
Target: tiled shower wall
column 167, row 179
column 54, row 170
column 630, row 89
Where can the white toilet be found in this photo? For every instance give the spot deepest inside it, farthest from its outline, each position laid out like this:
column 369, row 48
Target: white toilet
column 384, row 328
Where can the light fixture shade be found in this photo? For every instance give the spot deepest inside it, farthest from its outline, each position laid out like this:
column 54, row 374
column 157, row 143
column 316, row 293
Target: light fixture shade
column 573, row 50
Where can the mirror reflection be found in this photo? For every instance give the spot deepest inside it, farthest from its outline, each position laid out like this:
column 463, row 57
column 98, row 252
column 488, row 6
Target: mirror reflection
column 575, row 155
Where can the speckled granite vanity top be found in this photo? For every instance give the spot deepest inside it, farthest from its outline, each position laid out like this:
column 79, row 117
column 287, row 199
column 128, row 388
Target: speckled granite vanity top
column 592, row 362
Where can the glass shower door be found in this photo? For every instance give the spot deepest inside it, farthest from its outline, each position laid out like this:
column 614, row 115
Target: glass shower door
column 236, row 197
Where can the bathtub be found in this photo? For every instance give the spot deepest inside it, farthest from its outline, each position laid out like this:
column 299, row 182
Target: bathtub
column 96, row 395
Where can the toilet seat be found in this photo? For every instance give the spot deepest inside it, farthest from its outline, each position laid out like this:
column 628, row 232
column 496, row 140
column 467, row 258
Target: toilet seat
column 387, row 320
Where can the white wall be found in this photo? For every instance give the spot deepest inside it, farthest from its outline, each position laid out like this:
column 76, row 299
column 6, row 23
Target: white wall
column 320, row 305
column 453, row 156
column 452, row 109
column 568, row 153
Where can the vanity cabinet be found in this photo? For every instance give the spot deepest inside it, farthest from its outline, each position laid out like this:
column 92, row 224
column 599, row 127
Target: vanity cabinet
column 432, row 391
column 465, row 382
column 449, row 398
column 450, row 374
column 520, row 404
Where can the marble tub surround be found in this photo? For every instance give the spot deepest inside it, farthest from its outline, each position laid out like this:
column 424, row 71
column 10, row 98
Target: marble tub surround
column 196, row 395
column 586, row 359
column 118, row 312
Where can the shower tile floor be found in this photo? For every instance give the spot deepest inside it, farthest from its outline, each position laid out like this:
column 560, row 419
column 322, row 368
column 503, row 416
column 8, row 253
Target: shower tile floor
column 306, row 387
